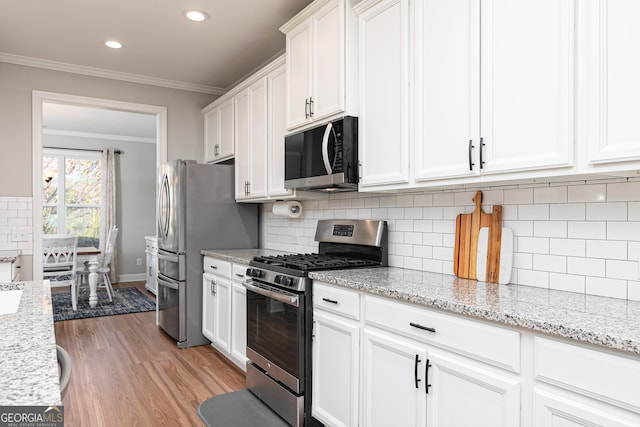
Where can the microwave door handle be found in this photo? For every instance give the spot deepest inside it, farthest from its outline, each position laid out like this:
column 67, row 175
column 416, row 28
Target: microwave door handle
column 325, row 148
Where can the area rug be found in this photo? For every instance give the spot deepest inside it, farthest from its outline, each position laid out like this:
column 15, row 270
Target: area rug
column 125, row 300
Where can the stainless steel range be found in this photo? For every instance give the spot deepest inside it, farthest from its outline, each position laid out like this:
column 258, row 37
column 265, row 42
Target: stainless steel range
column 280, row 316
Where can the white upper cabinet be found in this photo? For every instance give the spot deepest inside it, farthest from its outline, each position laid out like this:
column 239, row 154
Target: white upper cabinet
column 251, row 141
column 447, row 71
column 319, row 54
column 277, row 98
column 487, row 89
column 612, row 107
column 383, row 140
column 527, row 84
column 219, row 131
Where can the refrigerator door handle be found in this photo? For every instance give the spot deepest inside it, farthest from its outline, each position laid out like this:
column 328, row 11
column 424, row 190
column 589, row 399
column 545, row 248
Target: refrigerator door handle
column 164, row 208
column 168, row 282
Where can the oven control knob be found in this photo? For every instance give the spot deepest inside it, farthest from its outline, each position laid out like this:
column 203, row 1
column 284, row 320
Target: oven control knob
column 286, row 280
column 257, row 273
column 278, row 279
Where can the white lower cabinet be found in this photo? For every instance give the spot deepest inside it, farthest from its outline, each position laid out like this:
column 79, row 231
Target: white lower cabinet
column 224, row 310
column 393, row 382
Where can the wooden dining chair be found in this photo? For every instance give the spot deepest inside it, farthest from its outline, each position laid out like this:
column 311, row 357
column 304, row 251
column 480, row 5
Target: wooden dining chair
column 104, row 267
column 59, row 253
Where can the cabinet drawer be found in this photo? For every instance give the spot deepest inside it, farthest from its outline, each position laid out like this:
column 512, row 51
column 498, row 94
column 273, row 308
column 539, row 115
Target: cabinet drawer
column 490, row 344
column 336, row 300
column 239, row 271
column 216, row 266
column 596, row 374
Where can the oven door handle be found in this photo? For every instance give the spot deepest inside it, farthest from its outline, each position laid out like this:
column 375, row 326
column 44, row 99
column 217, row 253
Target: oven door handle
column 283, row 298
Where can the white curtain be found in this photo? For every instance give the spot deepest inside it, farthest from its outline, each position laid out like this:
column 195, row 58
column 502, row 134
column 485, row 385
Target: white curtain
column 108, row 218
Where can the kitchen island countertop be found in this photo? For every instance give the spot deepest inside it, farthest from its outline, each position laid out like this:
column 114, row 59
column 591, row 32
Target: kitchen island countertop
column 28, row 360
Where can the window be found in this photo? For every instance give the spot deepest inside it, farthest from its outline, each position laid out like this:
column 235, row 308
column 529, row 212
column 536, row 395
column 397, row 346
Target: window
column 71, row 194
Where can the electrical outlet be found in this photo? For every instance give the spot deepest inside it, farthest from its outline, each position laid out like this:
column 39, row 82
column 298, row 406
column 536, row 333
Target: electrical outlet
column 138, row 261
column 19, row 234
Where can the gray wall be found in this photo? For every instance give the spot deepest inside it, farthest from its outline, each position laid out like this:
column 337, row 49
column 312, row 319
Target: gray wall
column 185, row 124
column 135, row 186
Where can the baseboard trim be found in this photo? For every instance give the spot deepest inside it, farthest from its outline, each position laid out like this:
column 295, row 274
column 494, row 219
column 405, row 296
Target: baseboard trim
column 132, row 277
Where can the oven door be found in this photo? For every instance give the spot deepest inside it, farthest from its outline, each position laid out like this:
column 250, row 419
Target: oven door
column 276, row 333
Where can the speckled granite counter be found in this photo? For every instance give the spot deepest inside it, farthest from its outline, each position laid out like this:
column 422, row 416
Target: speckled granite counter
column 608, row 322
column 28, row 361
column 240, row 256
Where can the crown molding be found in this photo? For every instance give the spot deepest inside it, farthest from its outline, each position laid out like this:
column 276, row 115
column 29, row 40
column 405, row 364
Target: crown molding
column 108, row 74
column 95, row 135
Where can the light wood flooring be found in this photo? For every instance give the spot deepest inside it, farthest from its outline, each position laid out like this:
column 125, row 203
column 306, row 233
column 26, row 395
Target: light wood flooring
column 127, row 372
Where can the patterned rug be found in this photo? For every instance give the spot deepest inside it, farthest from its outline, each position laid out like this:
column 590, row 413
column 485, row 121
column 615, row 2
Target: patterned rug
column 125, row 300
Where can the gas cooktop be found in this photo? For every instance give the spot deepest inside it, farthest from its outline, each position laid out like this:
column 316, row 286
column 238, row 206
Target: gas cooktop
column 311, row 262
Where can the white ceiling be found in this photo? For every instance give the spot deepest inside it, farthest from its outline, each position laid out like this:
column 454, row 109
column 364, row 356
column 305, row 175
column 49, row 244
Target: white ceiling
column 160, row 43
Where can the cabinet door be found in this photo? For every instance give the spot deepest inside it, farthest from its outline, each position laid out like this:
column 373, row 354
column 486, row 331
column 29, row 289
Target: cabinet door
column 393, row 385
column 335, row 370
column 153, row 282
column 328, row 38
column 463, row 394
column 239, row 324
column 208, row 307
column 447, row 89
column 211, row 135
column 383, row 141
column 527, row 81
column 226, row 130
column 298, row 74
column 553, row 410
column 258, row 139
column 222, row 314
column 614, row 87
column 243, row 147
column 277, row 86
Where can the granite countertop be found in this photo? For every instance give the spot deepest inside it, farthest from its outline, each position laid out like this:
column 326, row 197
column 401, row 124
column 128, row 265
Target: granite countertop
column 9, row 255
column 240, row 256
column 28, row 360
column 607, row 322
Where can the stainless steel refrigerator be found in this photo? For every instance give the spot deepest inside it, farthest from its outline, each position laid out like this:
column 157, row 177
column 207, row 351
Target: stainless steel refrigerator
column 196, row 211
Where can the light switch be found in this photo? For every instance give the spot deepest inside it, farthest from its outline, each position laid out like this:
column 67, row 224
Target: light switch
column 19, row 234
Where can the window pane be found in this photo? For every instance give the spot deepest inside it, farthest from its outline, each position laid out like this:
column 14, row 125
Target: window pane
column 82, row 181
column 50, row 220
column 50, row 189
column 84, row 223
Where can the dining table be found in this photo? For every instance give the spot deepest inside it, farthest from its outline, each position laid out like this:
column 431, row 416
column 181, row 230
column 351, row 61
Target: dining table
column 93, row 265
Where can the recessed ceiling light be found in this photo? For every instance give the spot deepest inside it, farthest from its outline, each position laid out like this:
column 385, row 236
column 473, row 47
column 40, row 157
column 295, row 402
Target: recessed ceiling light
column 195, row 15
column 113, row 44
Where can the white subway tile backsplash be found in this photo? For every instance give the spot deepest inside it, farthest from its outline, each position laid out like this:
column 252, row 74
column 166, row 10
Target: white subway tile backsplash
column 539, row 279
column 567, row 282
column 577, row 237
column 587, row 230
column 568, row 247
column 623, row 192
column 587, row 193
column 623, row 231
column 568, row 212
column 551, row 263
column 607, row 249
column 586, row 266
column 625, row 270
column 550, row 195
column 606, row 211
column 533, row 245
column 533, row 212
column 550, row 229
column 518, row 196
column 633, row 211
column 612, row 288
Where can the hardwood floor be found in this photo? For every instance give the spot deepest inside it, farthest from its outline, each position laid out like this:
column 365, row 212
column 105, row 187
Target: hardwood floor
column 127, row 372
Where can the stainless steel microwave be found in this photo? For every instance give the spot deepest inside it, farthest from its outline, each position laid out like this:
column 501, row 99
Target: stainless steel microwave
column 324, row 157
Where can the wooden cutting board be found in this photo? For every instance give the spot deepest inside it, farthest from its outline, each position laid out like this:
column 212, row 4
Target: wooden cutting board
column 465, row 250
